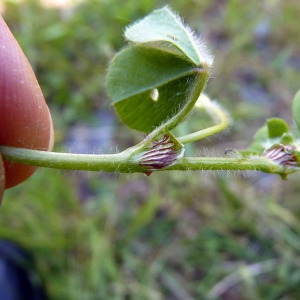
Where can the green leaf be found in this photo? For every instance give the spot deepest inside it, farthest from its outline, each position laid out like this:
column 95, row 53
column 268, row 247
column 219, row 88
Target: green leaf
column 296, row 109
column 277, row 127
column 136, row 70
column 275, row 132
column 152, row 71
column 287, row 139
column 160, row 76
column 162, row 28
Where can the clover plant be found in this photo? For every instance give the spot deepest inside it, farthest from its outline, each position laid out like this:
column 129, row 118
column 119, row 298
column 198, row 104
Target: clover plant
column 154, row 82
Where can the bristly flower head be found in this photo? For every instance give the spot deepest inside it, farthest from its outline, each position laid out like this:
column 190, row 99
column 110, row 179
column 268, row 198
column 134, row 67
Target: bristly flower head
column 282, row 155
column 161, row 154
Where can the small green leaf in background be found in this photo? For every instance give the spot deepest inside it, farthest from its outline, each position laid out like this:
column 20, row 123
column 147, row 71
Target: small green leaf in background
column 287, row 139
column 160, row 74
column 275, row 131
column 296, row 109
column 277, row 127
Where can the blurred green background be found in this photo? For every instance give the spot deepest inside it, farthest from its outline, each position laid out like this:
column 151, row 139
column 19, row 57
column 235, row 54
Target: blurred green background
column 172, row 235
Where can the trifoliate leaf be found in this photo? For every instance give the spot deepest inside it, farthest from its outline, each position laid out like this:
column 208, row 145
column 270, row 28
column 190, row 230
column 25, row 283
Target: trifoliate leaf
column 151, row 71
column 160, row 75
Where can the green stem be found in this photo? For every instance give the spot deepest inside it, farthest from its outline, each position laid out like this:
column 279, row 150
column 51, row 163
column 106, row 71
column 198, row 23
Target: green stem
column 120, row 162
column 176, row 119
column 225, row 163
column 216, row 112
column 125, row 162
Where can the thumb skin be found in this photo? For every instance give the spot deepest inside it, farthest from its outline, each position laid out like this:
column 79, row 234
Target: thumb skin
column 25, row 120
column 2, row 178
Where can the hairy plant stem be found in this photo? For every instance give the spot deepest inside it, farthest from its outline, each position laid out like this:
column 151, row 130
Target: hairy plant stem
column 129, row 160
column 217, row 113
column 126, row 162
